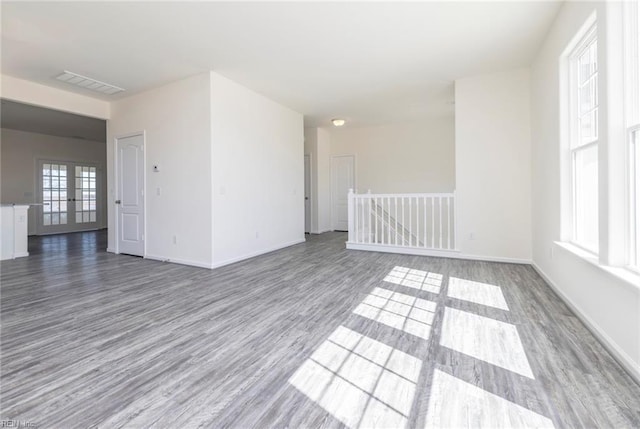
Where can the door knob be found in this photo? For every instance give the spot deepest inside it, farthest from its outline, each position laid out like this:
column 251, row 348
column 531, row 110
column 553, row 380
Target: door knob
column 117, row 201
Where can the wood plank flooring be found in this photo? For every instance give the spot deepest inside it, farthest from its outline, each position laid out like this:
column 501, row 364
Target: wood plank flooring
column 307, row 337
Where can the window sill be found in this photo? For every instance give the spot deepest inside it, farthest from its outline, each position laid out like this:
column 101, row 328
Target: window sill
column 620, row 273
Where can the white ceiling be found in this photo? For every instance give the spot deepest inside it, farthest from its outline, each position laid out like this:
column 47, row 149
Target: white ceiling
column 368, row 62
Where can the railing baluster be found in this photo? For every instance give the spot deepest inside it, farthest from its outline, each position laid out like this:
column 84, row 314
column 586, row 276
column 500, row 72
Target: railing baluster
column 362, row 226
column 385, row 224
column 417, row 235
column 375, row 213
column 350, row 216
column 433, row 222
column 411, row 221
column 404, row 240
column 418, row 223
column 371, row 233
column 355, row 219
column 362, row 218
column 367, row 219
column 448, row 223
column 440, row 219
column 395, row 204
column 389, row 221
column 424, row 204
column 410, row 229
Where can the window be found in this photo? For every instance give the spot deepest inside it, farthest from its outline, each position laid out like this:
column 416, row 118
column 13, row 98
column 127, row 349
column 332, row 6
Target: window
column 634, row 198
column 583, row 84
column 632, row 123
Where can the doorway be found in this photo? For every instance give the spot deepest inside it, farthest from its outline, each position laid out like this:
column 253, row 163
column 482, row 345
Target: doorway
column 130, row 220
column 342, row 179
column 54, row 161
column 307, row 194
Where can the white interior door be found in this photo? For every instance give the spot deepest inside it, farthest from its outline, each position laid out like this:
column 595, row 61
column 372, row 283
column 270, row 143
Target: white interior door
column 307, row 193
column 342, row 179
column 130, row 198
column 69, row 193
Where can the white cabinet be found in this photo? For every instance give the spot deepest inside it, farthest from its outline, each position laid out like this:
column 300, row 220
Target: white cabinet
column 13, row 234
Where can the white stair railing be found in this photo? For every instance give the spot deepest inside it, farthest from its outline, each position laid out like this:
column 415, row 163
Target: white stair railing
column 409, row 221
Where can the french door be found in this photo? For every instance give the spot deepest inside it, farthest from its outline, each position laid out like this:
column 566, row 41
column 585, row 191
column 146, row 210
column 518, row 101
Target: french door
column 69, row 193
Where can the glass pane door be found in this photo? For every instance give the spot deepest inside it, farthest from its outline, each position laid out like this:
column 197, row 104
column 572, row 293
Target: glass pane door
column 69, row 193
column 85, row 194
column 54, row 194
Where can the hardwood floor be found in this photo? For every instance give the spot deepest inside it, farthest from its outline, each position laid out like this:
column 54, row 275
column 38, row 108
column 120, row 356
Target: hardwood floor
column 309, row 336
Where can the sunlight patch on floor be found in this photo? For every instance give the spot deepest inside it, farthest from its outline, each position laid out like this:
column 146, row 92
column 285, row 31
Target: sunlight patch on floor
column 476, row 292
column 397, row 310
column 489, row 340
column 416, row 279
column 360, row 381
column 454, row 403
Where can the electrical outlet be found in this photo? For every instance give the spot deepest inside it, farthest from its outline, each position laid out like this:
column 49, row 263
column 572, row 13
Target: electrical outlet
column 175, row 240
column 471, row 236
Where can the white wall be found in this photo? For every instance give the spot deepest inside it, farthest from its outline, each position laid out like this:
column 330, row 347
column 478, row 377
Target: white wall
column 400, row 158
column 20, row 152
column 317, row 144
column 258, row 173
column 610, row 305
column 27, row 92
column 493, row 166
column 176, row 120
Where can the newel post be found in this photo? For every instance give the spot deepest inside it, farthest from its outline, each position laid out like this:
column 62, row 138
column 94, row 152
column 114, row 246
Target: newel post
column 351, row 215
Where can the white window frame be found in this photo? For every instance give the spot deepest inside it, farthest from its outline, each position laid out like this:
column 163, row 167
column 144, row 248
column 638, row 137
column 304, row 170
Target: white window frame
column 575, row 145
column 633, row 227
column 632, row 129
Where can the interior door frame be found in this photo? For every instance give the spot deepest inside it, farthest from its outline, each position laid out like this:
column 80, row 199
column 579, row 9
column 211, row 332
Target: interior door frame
column 355, row 180
column 116, row 196
column 38, row 161
column 311, row 204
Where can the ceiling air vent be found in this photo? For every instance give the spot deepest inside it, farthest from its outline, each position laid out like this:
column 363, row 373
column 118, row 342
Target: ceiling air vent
column 88, row 83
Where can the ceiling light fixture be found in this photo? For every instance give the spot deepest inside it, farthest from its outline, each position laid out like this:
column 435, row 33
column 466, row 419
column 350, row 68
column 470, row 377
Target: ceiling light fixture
column 88, row 83
column 338, row 122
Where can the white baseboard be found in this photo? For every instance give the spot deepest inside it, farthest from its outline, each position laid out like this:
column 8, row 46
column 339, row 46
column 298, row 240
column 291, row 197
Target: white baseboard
column 321, row 231
column 20, row 255
column 455, row 254
column 258, row 253
column 222, row 263
column 110, row 250
column 495, row 259
column 618, row 354
column 42, row 234
column 179, row 261
column 403, row 250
